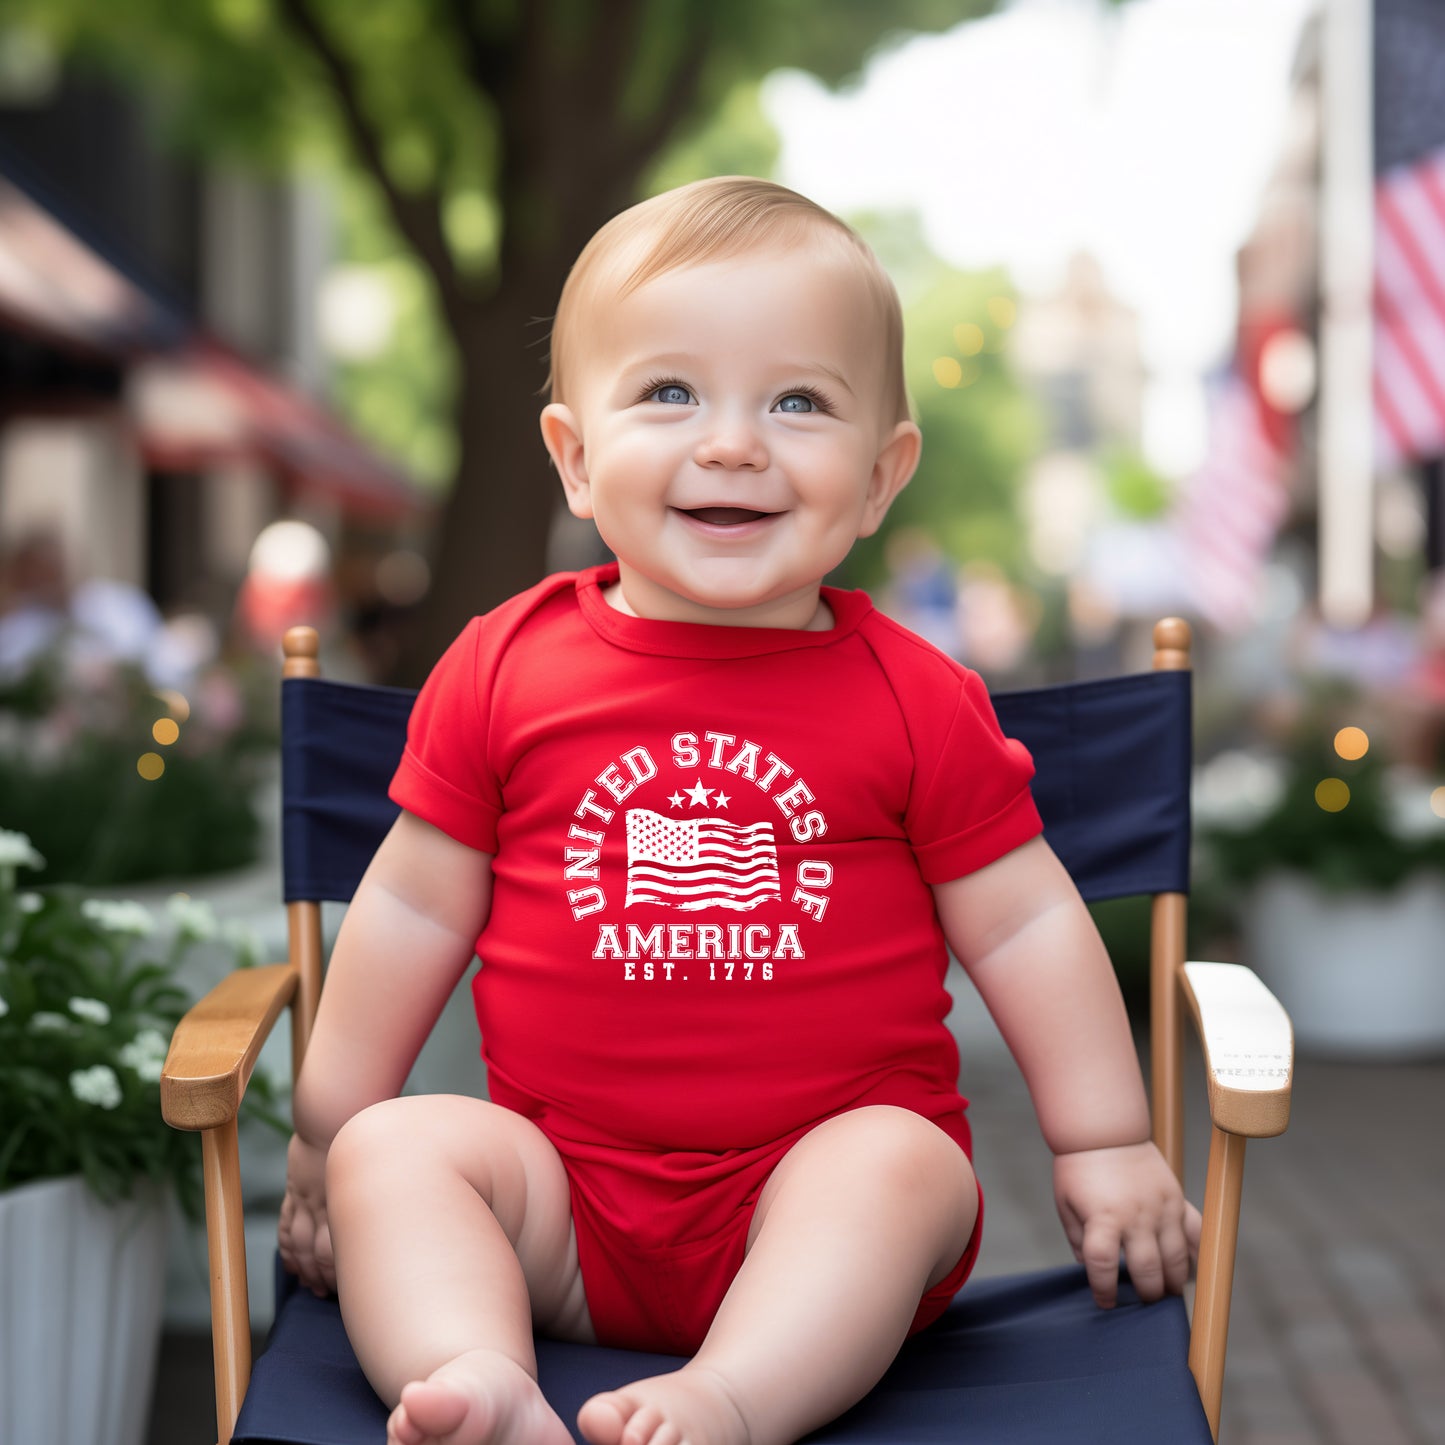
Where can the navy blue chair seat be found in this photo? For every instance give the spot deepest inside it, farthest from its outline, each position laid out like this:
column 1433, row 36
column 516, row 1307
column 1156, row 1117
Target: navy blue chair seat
column 1008, row 1362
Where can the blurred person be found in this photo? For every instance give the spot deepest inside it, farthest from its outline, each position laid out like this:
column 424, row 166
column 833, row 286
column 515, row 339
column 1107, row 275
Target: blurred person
column 998, row 621
column 1425, row 683
column 96, row 623
column 288, row 581
column 921, row 591
column 34, row 600
column 1375, row 656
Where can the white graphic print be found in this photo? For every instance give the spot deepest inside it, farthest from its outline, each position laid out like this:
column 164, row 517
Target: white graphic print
column 694, row 863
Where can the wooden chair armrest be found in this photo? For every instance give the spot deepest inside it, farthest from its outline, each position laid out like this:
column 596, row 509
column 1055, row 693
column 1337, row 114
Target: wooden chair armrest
column 215, row 1046
column 1248, row 1048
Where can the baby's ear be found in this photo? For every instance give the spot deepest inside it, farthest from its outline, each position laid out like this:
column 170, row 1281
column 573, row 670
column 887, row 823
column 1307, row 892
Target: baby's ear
column 563, row 439
column 897, row 461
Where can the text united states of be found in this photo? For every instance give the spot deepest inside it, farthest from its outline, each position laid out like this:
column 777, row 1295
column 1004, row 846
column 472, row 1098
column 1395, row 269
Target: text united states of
column 695, row 863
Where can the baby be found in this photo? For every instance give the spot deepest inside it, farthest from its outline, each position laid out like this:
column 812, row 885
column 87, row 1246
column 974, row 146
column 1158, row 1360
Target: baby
column 711, row 827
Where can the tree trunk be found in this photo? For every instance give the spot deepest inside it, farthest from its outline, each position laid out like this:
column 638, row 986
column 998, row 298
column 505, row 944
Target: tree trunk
column 491, row 535
column 570, row 161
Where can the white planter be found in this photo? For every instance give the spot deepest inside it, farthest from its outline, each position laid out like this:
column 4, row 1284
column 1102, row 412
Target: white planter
column 81, row 1286
column 1361, row 974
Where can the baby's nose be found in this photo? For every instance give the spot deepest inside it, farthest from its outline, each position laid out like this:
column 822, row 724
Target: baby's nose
column 733, row 443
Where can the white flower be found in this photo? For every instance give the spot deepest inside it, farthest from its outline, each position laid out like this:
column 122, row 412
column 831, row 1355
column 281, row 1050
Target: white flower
column 16, row 851
column 152, row 1042
column 30, row 902
column 91, row 1009
column 97, row 1085
column 148, row 1070
column 192, row 917
column 4, row 1008
column 244, row 939
column 48, row 1023
column 119, row 917
column 145, row 1054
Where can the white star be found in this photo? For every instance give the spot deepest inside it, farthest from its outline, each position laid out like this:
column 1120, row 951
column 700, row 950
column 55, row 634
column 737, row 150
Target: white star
column 676, row 800
column 722, row 800
column 698, row 794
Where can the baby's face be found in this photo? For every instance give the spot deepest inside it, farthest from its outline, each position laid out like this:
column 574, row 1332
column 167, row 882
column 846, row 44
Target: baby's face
column 727, row 429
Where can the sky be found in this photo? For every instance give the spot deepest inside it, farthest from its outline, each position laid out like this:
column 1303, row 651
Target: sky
column 1144, row 134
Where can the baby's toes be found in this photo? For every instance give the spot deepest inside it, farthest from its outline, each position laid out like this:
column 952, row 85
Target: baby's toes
column 645, row 1426
column 400, row 1430
column 605, row 1418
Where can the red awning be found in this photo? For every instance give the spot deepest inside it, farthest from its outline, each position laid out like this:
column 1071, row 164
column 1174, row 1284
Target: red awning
column 193, row 401
column 204, row 404
column 57, row 290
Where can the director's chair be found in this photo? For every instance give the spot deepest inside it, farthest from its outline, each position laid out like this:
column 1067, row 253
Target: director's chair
column 1023, row 1359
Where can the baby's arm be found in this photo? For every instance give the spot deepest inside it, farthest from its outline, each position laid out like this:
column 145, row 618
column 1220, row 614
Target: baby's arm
column 406, row 940
column 1027, row 941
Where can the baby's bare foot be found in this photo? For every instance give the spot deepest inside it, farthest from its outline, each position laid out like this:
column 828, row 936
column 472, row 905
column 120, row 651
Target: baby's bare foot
column 694, row 1406
column 480, row 1398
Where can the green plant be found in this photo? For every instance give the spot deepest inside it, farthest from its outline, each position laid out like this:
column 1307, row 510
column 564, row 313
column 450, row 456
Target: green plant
column 88, row 1001
column 1334, row 820
column 76, row 742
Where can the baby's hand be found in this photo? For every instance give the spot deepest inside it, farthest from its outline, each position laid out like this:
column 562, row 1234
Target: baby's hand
column 304, row 1236
column 1127, row 1198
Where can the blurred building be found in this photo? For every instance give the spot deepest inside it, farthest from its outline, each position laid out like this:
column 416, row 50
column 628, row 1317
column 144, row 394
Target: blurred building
column 1269, row 446
column 1078, row 351
column 159, row 359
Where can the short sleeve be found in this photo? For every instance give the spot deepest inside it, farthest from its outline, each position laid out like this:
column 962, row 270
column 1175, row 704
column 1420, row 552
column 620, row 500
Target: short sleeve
column 970, row 802
column 444, row 776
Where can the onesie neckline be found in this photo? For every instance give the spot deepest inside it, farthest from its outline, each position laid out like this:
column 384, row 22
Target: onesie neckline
column 701, row 639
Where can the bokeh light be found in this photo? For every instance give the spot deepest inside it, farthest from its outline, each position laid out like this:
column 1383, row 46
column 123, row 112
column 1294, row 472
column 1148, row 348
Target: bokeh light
column 175, row 702
column 1352, row 743
column 165, row 731
column 1002, row 311
column 1287, row 370
column 402, row 577
column 356, row 312
column 1437, row 802
column 1332, row 794
column 150, row 766
column 968, row 335
column 947, row 371
column 290, row 551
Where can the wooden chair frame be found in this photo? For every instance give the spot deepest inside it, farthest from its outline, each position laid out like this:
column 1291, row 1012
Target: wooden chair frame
column 1245, row 1036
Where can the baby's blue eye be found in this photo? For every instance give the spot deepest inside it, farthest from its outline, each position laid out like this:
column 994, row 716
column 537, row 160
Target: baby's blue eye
column 796, row 401
column 671, row 395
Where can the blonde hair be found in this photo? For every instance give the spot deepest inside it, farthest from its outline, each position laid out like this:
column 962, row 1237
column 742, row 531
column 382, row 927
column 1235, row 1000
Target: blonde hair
column 713, row 220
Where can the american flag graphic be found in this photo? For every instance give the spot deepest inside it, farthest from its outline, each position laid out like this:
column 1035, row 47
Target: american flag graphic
column 693, row 863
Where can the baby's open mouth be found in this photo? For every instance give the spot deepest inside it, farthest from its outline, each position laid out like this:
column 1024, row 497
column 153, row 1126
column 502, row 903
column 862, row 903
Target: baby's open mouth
column 725, row 516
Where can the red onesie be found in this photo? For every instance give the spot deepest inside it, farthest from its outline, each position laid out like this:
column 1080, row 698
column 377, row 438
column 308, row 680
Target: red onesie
column 711, row 924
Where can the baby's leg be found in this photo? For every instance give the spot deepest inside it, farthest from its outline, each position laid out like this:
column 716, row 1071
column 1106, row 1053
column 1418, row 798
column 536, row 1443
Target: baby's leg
column 860, row 1218
column 452, row 1225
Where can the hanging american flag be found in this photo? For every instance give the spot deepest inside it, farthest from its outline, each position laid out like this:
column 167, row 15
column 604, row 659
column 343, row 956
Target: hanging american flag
column 1409, row 380
column 1232, row 508
column 693, row 863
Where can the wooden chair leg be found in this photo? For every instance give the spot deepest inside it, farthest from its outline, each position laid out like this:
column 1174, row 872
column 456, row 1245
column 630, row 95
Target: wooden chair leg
column 1166, row 1043
column 230, row 1297
column 1209, row 1332
column 303, row 924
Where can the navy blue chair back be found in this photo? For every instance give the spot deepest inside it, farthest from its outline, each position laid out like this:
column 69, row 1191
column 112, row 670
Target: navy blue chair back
column 1112, row 783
